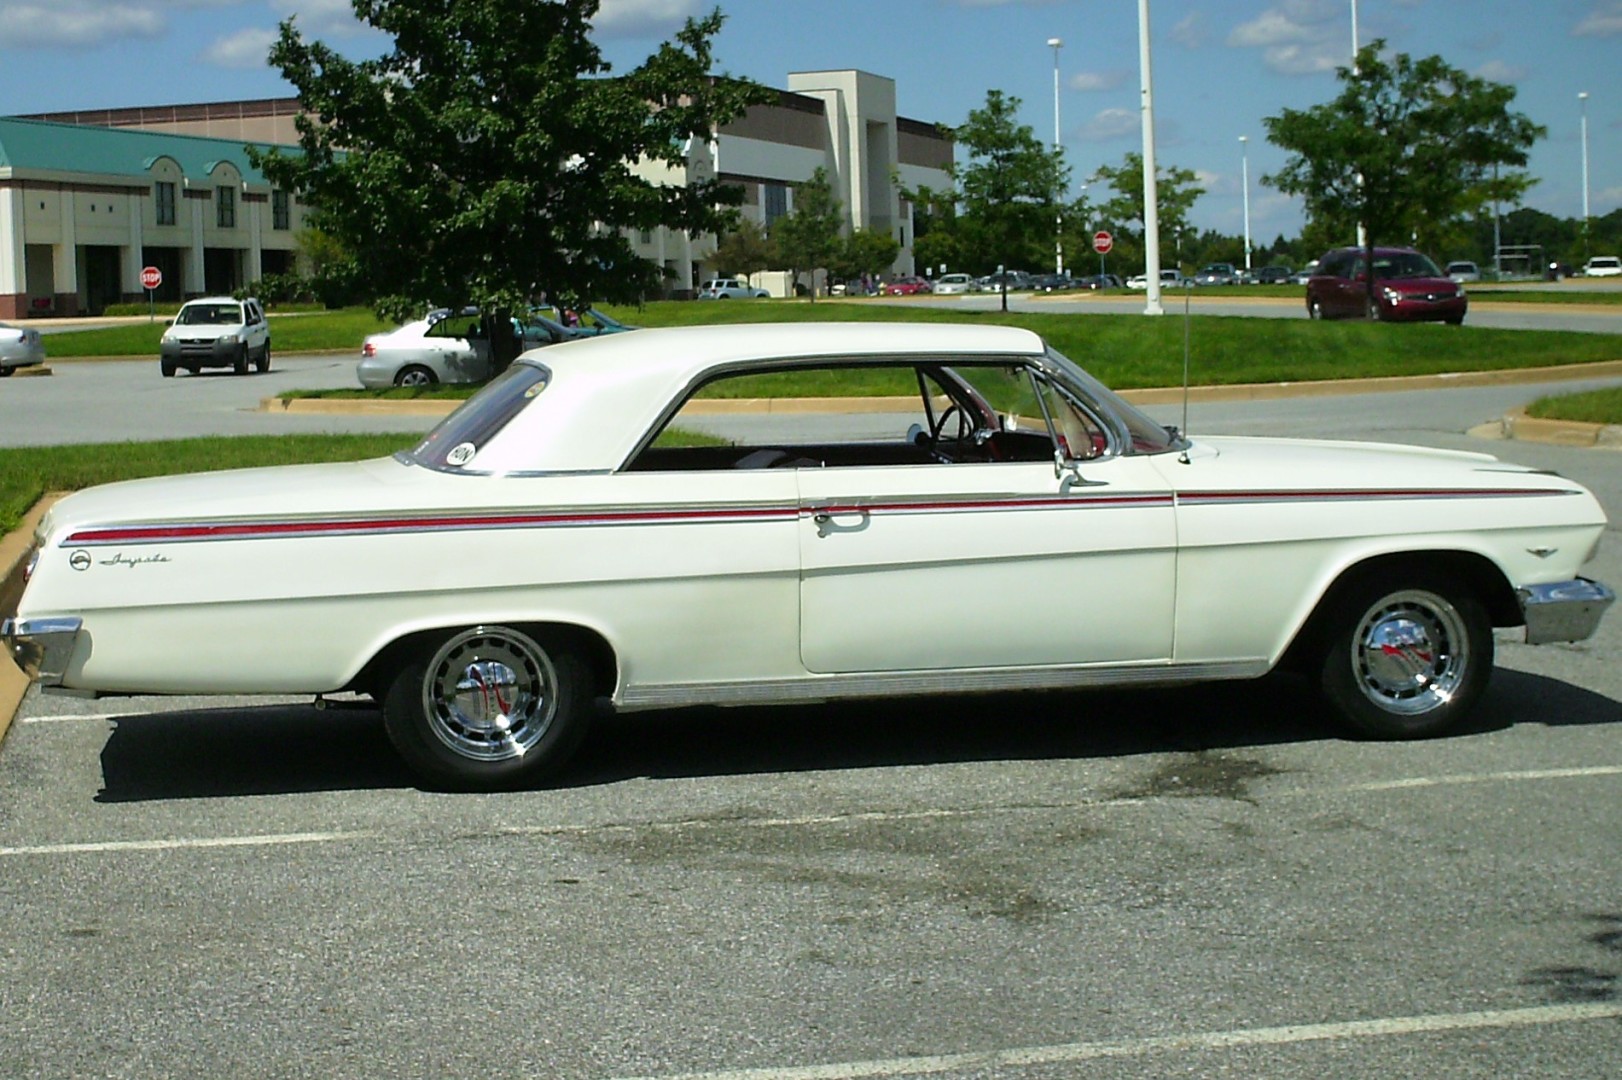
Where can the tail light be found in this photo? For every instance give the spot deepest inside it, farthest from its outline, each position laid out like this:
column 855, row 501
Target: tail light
column 368, row 349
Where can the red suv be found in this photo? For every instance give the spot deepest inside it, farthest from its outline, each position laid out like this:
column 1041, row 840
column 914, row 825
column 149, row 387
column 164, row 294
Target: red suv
column 1408, row 287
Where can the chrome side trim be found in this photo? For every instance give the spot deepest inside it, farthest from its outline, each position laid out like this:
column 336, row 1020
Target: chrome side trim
column 812, row 688
column 41, row 647
column 1563, row 610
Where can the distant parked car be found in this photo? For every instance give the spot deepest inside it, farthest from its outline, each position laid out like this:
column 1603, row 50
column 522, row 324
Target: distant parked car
column 19, row 347
column 1169, row 279
column 1603, row 266
column 1303, row 275
column 1052, row 283
column 955, row 284
column 730, row 289
column 1463, row 271
column 1273, row 275
column 1216, row 274
column 1012, row 280
column 216, row 331
column 447, row 347
column 1098, row 281
column 906, row 286
column 1407, row 288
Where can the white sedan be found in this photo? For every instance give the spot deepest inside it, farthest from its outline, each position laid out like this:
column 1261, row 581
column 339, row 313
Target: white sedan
column 20, row 347
column 570, row 540
column 955, row 284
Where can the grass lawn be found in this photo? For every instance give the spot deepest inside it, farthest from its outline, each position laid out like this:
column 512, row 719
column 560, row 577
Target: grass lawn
column 1593, row 407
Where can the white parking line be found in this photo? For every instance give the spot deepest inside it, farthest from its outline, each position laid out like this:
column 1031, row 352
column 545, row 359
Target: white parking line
column 1210, row 1040
column 109, row 717
column 269, row 839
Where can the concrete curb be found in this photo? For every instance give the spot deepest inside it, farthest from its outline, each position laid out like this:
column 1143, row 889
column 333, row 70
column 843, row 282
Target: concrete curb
column 13, row 562
column 1517, row 425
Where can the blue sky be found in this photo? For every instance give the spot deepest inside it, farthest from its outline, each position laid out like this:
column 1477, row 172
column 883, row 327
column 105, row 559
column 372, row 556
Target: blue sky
column 1220, row 66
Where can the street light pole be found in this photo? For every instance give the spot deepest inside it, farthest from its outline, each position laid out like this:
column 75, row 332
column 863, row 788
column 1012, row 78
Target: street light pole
column 1362, row 231
column 1151, row 198
column 1582, row 99
column 1058, row 227
column 1244, row 181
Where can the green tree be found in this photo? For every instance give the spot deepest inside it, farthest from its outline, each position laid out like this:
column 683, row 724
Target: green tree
column 1409, row 148
column 1008, row 189
column 1175, row 195
column 807, row 237
column 865, row 251
column 489, row 154
column 745, row 250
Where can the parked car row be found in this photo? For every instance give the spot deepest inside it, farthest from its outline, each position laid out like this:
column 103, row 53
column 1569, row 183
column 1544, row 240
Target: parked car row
column 454, row 346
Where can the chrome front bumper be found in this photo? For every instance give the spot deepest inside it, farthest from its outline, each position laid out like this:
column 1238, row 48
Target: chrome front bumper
column 1563, row 610
column 41, row 647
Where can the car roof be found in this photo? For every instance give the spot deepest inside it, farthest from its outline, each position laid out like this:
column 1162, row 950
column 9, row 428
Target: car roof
column 607, row 391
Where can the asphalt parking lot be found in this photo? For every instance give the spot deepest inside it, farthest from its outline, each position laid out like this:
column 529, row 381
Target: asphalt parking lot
column 1205, row 882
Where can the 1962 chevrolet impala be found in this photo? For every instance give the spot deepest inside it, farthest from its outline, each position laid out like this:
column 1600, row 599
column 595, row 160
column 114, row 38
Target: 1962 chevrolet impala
column 568, row 540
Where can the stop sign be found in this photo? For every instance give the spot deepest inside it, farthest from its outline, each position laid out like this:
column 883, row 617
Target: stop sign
column 151, row 277
column 1102, row 242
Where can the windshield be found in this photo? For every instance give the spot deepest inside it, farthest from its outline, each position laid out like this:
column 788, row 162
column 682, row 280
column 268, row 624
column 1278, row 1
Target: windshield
column 1143, row 435
column 209, row 315
column 455, row 440
column 1407, row 264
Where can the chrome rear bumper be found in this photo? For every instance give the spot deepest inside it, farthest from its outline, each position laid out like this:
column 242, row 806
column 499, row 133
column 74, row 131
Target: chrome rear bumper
column 1563, row 610
column 41, row 647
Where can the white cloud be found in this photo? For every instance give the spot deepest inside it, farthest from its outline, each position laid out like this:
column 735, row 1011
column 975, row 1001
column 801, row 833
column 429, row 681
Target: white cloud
column 321, row 18
column 1297, row 37
column 644, row 18
column 76, row 23
column 1089, row 81
column 1499, row 71
column 1603, row 21
column 1111, row 124
column 246, row 49
column 1191, row 31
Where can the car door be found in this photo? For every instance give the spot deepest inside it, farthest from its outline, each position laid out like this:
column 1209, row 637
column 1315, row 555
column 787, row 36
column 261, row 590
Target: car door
column 967, row 561
column 460, row 347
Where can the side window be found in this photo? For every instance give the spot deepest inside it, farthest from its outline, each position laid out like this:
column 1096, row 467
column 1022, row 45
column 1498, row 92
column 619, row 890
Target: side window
column 456, row 326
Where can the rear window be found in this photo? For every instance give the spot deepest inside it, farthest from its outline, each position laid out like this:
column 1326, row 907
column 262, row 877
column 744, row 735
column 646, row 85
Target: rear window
column 454, row 442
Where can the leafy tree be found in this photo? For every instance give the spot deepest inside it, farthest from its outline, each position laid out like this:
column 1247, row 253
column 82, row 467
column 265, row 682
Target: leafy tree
column 1409, row 148
column 1175, row 194
column 935, row 233
column 489, row 155
column 745, row 250
column 1008, row 189
column 865, row 252
column 807, row 237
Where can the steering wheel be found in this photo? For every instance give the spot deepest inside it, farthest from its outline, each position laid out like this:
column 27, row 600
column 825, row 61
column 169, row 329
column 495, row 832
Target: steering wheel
column 940, row 422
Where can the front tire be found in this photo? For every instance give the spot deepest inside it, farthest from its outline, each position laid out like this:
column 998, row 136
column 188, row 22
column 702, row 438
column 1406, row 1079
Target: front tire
column 239, row 363
column 489, row 708
column 1406, row 662
column 1315, row 310
column 167, row 367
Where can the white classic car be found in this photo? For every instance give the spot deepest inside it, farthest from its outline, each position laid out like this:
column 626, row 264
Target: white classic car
column 631, row 522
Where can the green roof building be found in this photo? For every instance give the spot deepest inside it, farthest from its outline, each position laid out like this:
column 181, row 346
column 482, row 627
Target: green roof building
column 83, row 210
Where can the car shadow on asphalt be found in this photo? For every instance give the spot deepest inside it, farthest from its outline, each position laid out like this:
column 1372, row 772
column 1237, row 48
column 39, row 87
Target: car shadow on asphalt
column 290, row 749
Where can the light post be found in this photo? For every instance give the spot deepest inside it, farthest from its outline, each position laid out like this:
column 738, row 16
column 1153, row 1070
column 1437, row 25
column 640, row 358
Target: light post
column 1582, row 99
column 1151, row 197
column 1058, row 222
column 1362, row 232
column 1244, row 183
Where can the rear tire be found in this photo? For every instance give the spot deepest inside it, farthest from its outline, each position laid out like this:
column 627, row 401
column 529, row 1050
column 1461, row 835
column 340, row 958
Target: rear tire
column 1406, row 659
column 489, row 708
column 262, row 365
column 415, row 375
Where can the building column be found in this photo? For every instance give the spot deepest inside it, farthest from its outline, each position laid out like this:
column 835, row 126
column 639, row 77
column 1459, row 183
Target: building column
column 192, row 272
column 13, row 255
column 129, row 271
column 256, row 238
column 65, row 257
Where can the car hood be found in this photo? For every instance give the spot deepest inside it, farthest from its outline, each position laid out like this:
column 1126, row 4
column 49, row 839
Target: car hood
column 1327, row 465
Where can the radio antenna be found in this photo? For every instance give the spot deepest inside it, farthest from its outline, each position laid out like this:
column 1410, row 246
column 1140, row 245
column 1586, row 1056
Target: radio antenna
column 1187, row 291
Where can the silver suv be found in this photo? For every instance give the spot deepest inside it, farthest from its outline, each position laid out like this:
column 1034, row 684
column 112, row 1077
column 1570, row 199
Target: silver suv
column 216, row 331
column 727, row 288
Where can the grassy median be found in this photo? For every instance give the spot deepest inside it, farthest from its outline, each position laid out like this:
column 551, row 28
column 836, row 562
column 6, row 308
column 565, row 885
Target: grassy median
column 1593, row 407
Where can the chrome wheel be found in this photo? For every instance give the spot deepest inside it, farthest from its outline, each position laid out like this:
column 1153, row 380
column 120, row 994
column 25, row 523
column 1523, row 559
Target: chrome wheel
column 414, row 376
column 490, row 694
column 1410, row 661
column 1410, row 652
